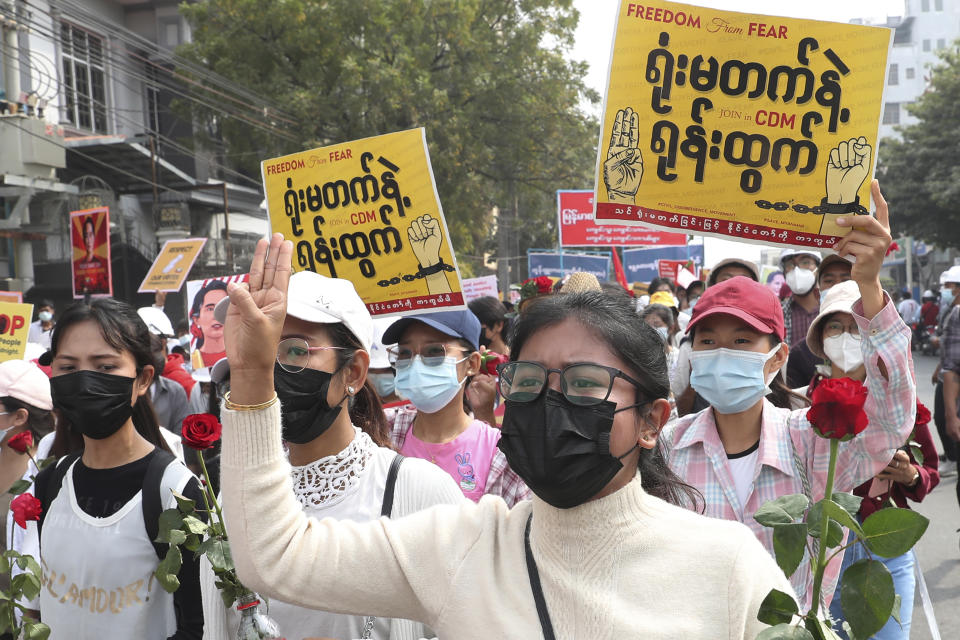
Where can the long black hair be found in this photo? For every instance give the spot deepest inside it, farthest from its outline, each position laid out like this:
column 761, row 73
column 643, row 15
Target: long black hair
column 213, row 285
column 124, row 330
column 614, row 321
column 366, row 410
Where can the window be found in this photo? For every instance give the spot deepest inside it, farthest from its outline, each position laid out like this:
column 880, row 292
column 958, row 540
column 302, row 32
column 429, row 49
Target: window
column 941, row 43
column 910, row 73
column 924, row 5
column 891, row 113
column 152, row 89
column 892, row 75
column 84, row 81
column 926, row 45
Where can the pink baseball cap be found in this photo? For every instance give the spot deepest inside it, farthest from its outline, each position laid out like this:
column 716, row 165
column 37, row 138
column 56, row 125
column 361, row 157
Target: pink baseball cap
column 26, row 382
column 745, row 299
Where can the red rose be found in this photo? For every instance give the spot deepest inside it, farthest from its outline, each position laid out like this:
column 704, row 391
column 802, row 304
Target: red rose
column 490, row 361
column 893, row 247
column 923, row 414
column 25, row 507
column 837, row 408
column 21, row 442
column 200, row 431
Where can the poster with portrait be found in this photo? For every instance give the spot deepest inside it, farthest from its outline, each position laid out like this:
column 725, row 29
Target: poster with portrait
column 368, row 211
column 90, row 236
column 760, row 128
column 206, row 334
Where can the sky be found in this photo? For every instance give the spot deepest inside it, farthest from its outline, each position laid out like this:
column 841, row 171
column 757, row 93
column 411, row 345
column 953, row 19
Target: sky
column 594, row 37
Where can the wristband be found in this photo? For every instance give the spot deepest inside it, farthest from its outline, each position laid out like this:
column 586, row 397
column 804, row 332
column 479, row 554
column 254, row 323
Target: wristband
column 844, row 207
column 429, row 271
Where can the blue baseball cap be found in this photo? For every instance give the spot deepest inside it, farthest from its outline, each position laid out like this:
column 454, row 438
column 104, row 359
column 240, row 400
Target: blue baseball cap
column 456, row 324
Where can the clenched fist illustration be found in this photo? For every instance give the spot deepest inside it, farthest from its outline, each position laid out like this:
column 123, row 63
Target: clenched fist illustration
column 847, row 168
column 623, row 168
column 425, row 240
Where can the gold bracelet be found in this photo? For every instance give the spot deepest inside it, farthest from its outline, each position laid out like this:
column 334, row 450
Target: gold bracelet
column 248, row 407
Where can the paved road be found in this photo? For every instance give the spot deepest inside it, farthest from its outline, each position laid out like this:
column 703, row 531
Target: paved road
column 938, row 550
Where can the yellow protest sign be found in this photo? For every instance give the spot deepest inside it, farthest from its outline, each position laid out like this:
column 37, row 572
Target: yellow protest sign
column 756, row 127
column 367, row 211
column 172, row 266
column 14, row 327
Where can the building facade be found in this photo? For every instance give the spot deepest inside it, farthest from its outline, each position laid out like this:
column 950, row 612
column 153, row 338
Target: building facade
column 94, row 111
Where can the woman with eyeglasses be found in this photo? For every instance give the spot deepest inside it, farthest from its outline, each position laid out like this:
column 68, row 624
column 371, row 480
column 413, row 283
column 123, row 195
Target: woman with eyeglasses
column 338, row 447
column 435, row 355
column 601, row 551
column 743, row 451
column 835, row 336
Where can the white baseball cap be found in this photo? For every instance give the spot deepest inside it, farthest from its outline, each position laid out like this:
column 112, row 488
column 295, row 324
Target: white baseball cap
column 316, row 298
column 26, row 382
column 950, row 275
column 839, row 297
column 789, row 253
column 157, row 321
column 379, row 359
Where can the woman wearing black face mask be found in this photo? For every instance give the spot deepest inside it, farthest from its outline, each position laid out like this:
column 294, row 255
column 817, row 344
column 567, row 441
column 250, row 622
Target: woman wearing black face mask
column 602, row 551
column 338, row 444
column 101, row 504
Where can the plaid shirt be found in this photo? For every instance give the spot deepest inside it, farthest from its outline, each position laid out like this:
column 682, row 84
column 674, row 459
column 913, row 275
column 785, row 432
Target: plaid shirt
column 796, row 320
column 694, row 452
column 949, row 332
column 501, row 479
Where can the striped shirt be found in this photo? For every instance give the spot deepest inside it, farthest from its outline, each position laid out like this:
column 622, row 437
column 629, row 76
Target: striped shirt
column 694, row 451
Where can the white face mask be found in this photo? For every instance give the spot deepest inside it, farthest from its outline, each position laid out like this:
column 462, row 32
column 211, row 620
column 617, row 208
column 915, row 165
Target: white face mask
column 801, row 280
column 843, row 351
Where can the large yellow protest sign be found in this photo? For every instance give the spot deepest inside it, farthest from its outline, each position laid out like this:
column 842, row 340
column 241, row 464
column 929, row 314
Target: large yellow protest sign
column 367, row 211
column 14, row 327
column 172, row 266
column 756, row 127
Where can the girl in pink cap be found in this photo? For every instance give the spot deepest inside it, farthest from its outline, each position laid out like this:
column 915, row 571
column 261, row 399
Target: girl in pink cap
column 743, row 451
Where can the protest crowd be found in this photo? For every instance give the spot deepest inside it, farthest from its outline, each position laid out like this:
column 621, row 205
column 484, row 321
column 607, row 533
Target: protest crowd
column 339, row 443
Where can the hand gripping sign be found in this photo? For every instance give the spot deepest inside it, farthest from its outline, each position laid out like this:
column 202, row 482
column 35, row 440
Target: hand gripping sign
column 729, row 124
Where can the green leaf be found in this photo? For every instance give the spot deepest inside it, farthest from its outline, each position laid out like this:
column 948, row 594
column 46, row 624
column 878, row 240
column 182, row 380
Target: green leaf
column 834, row 530
column 168, row 569
column 46, row 462
column 778, row 607
column 20, row 486
column 785, row 631
column 170, row 519
column 820, row 629
column 849, row 502
column 185, row 505
column 172, row 536
column 217, row 551
column 916, row 451
column 36, row 631
column 867, row 596
column 783, row 510
column 841, row 515
column 192, row 542
column 789, row 543
column 4, row 564
column 30, row 588
column 897, row 601
column 892, row 532
column 31, row 565
column 194, row 525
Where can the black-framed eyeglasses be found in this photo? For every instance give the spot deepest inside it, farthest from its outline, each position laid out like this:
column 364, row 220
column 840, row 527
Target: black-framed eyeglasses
column 583, row 384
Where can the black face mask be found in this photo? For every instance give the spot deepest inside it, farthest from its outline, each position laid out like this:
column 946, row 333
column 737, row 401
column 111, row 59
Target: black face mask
column 303, row 401
column 561, row 450
column 96, row 404
column 484, row 340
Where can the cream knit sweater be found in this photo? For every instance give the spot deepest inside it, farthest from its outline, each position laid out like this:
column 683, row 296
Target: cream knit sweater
column 624, row 566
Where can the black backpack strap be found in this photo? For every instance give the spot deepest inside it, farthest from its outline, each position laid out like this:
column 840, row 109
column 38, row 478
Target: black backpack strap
column 152, row 501
column 52, row 489
column 387, row 508
column 534, row 575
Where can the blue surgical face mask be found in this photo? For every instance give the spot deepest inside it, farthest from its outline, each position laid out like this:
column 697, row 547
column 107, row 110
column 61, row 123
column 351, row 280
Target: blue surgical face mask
column 946, row 297
column 693, row 303
column 384, row 383
column 429, row 388
column 823, row 295
column 663, row 333
column 729, row 379
column 45, row 316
